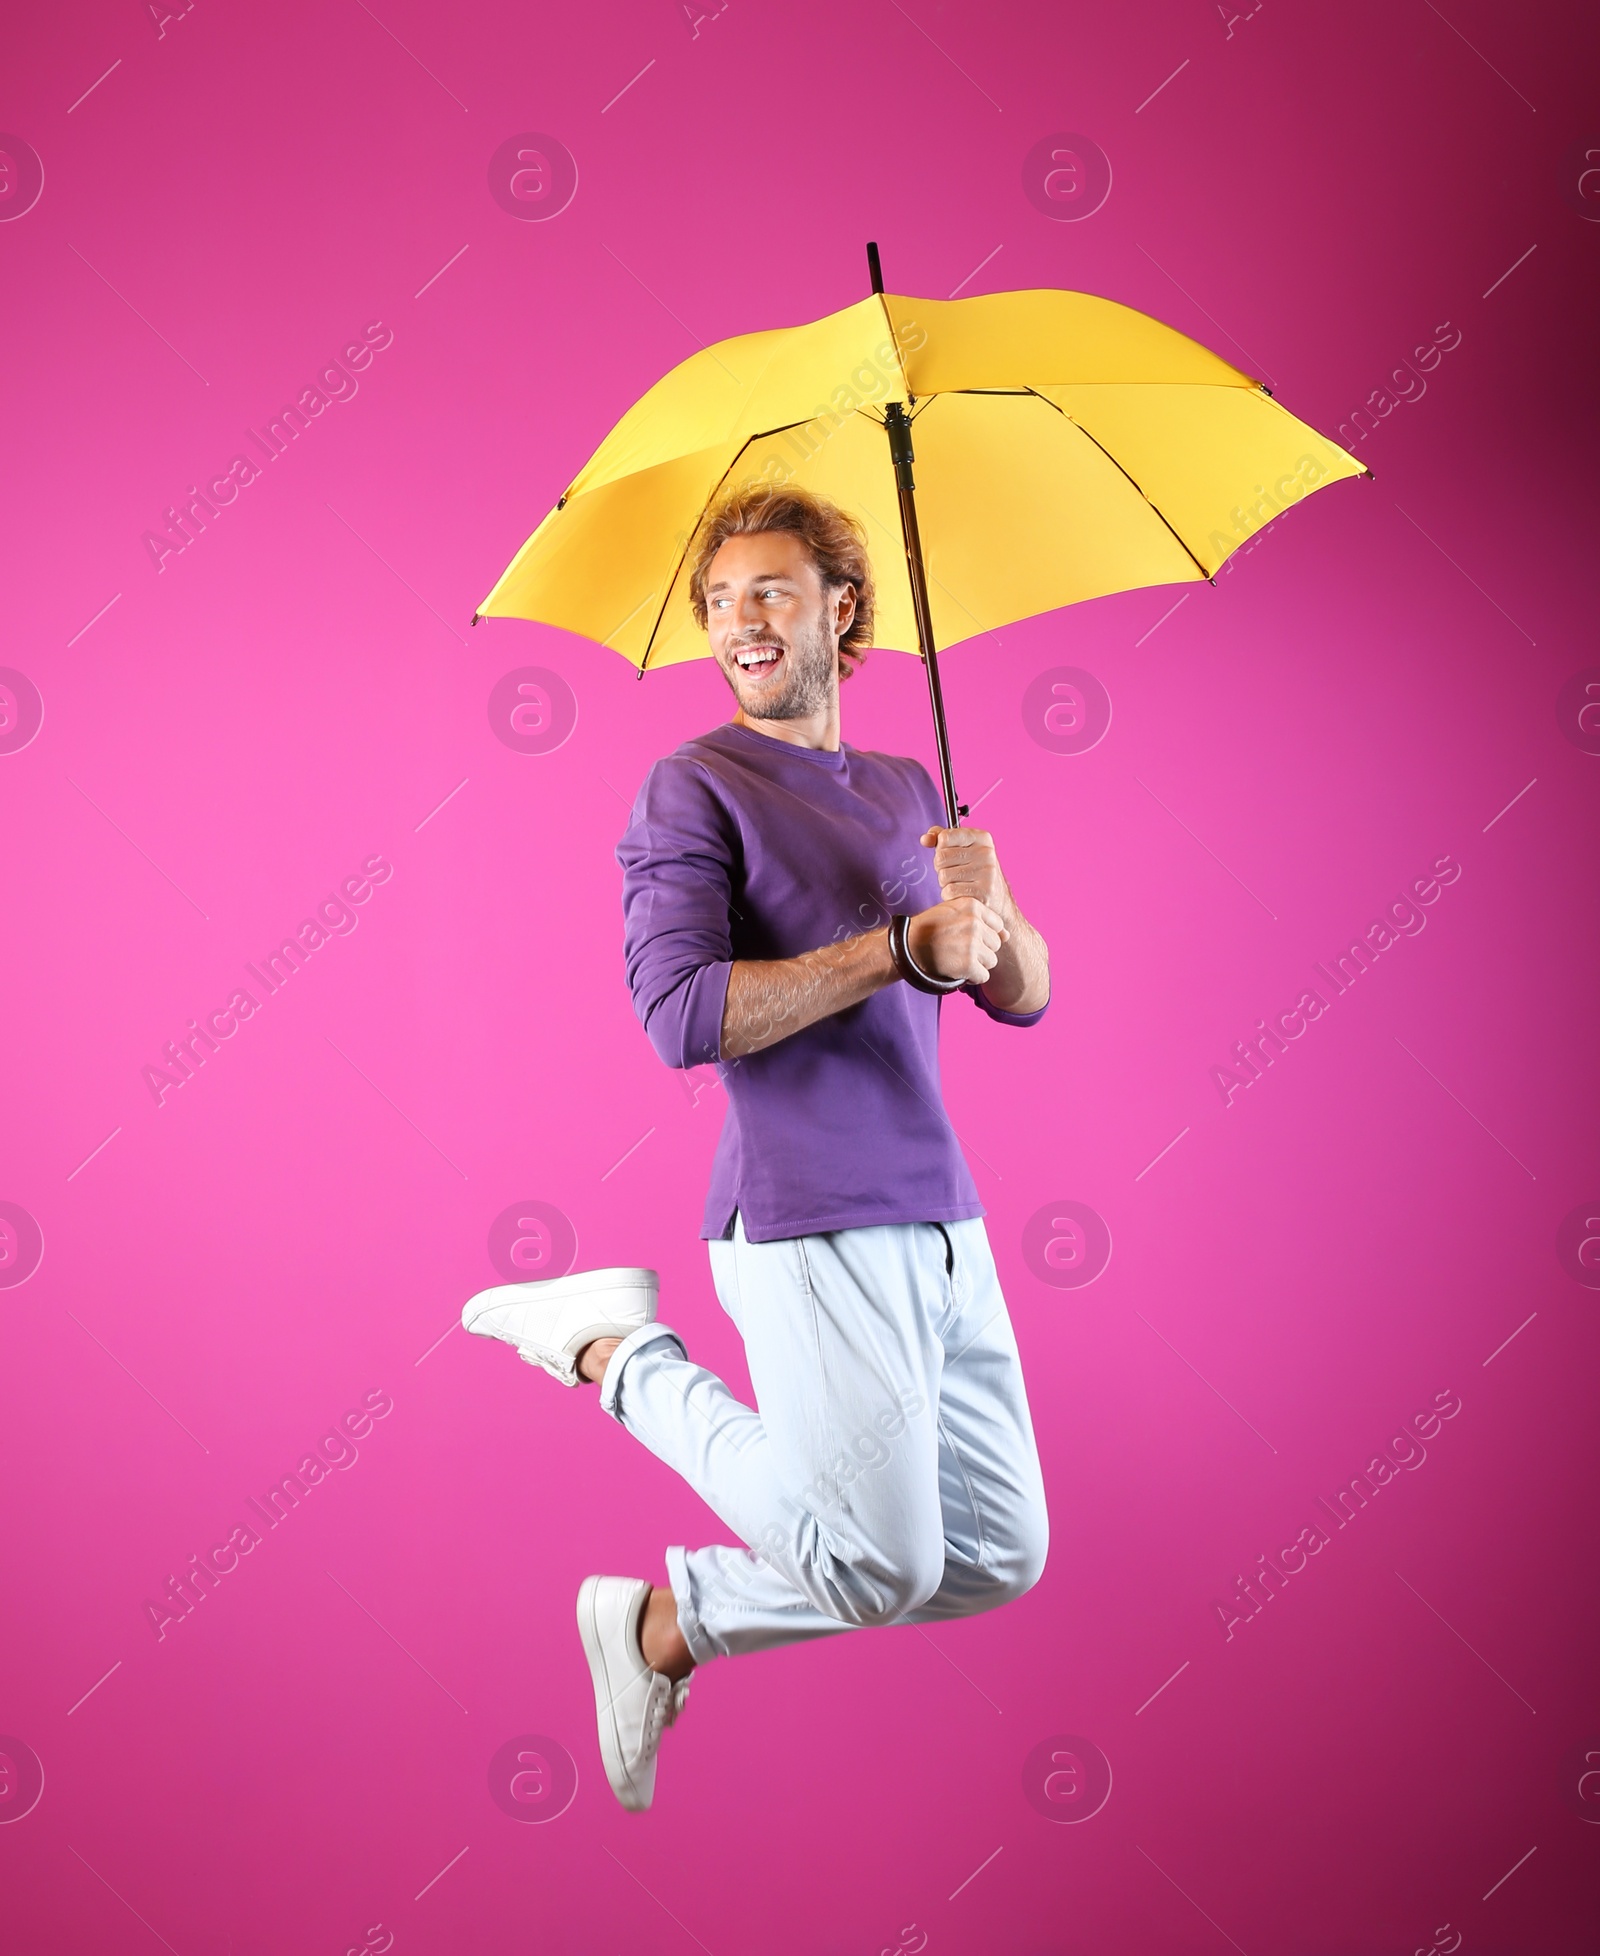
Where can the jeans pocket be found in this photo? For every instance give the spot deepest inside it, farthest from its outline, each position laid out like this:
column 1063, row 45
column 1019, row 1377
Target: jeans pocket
column 723, row 1254
column 949, row 1251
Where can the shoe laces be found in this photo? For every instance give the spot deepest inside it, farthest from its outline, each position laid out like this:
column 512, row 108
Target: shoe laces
column 663, row 1710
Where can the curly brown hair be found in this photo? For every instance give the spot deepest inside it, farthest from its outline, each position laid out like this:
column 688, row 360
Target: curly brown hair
column 836, row 542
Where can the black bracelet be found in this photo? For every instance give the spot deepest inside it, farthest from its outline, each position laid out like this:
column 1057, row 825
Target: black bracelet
column 907, row 966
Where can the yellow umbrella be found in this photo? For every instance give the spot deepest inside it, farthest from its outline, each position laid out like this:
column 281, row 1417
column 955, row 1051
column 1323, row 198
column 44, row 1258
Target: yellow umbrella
column 1064, row 447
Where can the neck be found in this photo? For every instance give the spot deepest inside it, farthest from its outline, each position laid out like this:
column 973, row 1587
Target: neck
column 819, row 730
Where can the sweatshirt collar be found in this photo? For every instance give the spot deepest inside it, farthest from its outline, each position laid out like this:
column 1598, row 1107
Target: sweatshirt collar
column 818, row 756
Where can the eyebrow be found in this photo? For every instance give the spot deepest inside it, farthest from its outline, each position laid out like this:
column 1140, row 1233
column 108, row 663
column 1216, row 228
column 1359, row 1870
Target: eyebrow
column 761, row 577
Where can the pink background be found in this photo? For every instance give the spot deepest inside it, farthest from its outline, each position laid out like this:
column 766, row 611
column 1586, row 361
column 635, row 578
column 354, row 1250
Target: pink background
column 302, row 1764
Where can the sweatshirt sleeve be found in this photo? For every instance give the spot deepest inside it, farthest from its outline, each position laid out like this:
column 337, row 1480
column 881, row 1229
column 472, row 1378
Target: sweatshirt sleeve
column 1005, row 1018
column 678, row 859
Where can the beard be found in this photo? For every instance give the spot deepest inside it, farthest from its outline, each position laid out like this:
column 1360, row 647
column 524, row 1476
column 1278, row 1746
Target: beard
column 811, row 664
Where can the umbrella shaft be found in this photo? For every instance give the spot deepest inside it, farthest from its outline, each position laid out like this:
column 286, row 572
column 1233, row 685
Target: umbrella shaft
column 900, row 451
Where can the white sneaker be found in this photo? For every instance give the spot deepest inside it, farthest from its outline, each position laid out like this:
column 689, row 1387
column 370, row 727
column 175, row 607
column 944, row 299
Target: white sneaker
column 635, row 1705
column 551, row 1321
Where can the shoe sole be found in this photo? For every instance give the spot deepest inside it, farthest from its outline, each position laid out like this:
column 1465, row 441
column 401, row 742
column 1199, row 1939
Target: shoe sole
column 605, row 1698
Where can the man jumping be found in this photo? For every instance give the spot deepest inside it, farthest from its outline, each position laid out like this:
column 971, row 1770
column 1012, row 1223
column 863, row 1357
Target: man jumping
column 781, row 923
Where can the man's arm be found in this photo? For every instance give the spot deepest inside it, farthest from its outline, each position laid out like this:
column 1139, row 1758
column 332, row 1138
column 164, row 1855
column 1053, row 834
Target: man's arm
column 768, row 999
column 698, row 1003
column 678, row 858
column 966, row 864
column 1020, row 981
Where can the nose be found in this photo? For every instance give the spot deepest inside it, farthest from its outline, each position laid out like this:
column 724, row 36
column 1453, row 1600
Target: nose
column 748, row 615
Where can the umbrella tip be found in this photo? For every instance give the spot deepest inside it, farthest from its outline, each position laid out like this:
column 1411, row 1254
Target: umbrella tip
column 874, row 268
column 475, row 618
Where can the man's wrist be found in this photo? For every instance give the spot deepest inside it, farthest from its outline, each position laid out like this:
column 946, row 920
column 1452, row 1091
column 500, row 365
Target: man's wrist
column 883, row 966
column 909, row 966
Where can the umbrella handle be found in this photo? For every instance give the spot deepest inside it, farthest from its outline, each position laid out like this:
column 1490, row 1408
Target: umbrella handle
column 900, row 453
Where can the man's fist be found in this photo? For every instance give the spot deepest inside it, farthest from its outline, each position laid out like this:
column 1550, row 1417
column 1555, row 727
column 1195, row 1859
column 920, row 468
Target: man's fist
column 966, row 865
column 959, row 938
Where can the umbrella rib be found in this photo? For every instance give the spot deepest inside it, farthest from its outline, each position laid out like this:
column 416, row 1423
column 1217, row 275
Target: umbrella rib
column 650, row 642
column 765, row 434
column 1106, row 452
column 783, row 427
column 761, row 435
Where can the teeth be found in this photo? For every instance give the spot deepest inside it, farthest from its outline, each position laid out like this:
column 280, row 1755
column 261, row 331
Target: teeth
column 765, row 655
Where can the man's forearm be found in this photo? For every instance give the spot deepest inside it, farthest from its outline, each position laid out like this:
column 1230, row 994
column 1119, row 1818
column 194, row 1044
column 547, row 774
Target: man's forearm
column 1020, row 981
column 770, row 998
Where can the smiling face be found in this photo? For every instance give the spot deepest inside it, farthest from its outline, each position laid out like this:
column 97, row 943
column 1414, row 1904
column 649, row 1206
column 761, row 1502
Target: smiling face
column 774, row 626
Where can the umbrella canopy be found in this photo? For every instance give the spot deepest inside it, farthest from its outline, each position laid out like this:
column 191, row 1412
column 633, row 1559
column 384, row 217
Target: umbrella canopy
column 1065, row 447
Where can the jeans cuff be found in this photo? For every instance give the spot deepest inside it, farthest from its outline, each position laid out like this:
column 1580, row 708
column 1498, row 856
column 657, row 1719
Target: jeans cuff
column 688, row 1618
column 611, row 1379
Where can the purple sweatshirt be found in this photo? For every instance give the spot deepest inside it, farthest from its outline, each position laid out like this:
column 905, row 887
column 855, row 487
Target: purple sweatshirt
column 745, row 846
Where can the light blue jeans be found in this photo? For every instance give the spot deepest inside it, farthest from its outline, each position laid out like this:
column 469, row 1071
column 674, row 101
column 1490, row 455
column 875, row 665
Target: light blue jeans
column 888, row 1473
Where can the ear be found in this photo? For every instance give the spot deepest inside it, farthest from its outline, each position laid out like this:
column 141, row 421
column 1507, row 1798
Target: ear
column 844, row 609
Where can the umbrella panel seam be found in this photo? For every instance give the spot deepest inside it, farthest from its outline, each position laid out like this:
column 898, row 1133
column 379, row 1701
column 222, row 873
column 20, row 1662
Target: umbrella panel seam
column 1149, row 501
column 765, row 434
